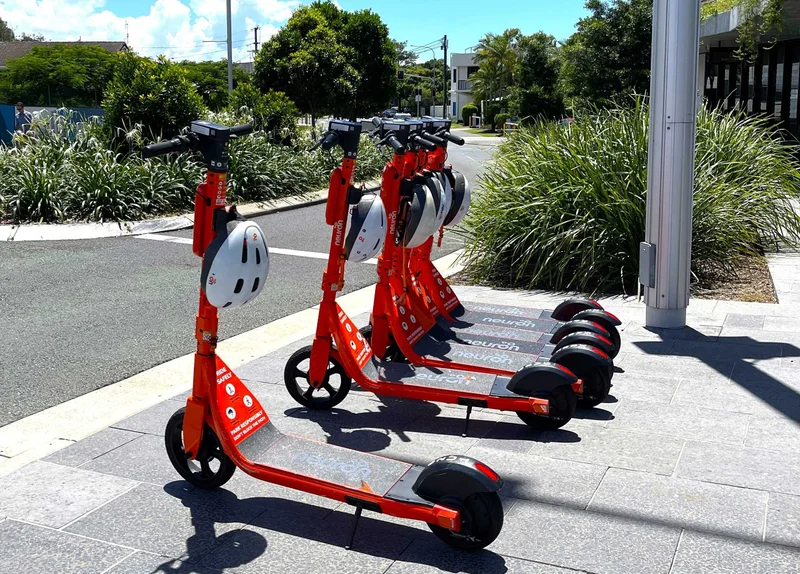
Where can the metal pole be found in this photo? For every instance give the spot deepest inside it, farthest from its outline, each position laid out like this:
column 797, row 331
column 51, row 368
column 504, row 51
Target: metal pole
column 665, row 256
column 230, row 50
column 444, row 78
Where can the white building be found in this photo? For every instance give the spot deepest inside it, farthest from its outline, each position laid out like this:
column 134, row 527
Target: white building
column 462, row 66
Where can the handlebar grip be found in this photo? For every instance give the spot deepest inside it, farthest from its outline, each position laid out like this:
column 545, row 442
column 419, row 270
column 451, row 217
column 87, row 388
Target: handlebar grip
column 423, row 143
column 330, row 140
column 451, row 138
column 241, row 130
column 435, row 139
column 397, row 146
column 376, row 122
column 163, row 148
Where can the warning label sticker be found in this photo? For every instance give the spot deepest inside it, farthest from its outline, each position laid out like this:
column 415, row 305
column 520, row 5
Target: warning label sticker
column 356, row 343
column 243, row 413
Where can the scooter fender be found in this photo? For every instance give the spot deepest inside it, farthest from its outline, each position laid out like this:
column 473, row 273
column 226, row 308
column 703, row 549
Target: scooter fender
column 450, row 479
column 578, row 326
column 566, row 310
column 579, row 357
column 540, row 378
column 600, row 315
column 587, row 338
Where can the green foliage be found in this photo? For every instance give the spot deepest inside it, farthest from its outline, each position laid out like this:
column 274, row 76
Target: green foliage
column 273, row 112
column 6, row 33
column 59, row 75
column 609, row 54
column 154, row 94
column 564, row 207
column 490, row 111
column 467, row 112
column 500, row 120
column 210, row 79
column 496, row 56
column 537, row 93
column 431, row 85
column 757, row 18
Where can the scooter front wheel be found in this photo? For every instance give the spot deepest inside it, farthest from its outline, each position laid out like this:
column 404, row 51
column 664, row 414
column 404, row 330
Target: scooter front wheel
column 211, row 469
column 481, row 523
column 333, row 390
column 563, row 402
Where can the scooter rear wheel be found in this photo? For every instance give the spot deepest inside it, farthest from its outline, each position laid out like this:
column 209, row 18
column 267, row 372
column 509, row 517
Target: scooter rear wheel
column 596, row 386
column 211, row 469
column 328, row 395
column 481, row 523
column 563, row 402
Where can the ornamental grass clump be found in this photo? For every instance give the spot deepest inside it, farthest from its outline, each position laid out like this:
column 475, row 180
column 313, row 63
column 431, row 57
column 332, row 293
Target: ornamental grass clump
column 564, row 207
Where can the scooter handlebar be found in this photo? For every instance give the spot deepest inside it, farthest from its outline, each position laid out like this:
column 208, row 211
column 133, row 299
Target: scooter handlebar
column 422, row 142
column 376, row 121
column 451, row 138
column 177, row 144
column 329, row 139
column 436, row 139
column 241, row 130
column 396, row 144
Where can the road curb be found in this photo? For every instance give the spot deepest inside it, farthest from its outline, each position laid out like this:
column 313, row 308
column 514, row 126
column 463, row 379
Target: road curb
column 78, row 231
column 50, row 430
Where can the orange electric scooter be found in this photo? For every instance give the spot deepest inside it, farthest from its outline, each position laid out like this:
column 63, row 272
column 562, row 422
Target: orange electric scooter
column 224, row 426
column 542, row 395
column 582, row 345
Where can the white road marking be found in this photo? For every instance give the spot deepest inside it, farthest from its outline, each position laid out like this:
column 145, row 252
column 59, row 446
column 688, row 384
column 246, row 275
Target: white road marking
column 276, row 250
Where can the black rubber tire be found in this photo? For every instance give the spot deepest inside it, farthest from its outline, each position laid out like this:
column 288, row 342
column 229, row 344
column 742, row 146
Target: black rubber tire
column 306, row 397
column 596, row 386
column 481, row 521
column 393, row 353
column 203, row 476
column 613, row 333
column 563, row 402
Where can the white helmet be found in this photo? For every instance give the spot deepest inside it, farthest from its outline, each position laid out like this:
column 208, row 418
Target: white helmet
column 235, row 265
column 461, row 198
column 367, row 229
column 442, row 198
column 420, row 221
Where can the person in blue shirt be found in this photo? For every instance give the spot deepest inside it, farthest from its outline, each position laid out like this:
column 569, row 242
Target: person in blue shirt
column 22, row 119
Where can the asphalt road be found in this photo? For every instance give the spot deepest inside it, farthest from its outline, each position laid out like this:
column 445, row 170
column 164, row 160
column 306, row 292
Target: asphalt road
column 79, row 315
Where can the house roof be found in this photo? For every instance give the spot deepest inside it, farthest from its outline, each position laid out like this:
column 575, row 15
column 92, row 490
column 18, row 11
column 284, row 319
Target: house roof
column 11, row 50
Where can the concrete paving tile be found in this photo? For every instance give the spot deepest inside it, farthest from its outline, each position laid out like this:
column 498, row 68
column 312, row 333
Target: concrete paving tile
column 272, row 542
column 740, row 466
column 684, row 422
column 744, row 321
column 179, row 523
column 145, row 562
column 269, row 369
column 682, row 503
column 423, row 557
column 641, row 387
column 783, row 519
column 143, row 459
column 614, row 448
column 91, row 447
column 510, row 434
column 150, row 421
column 586, row 540
column 677, row 367
column 759, row 399
column 36, row 550
column 773, row 433
column 740, row 336
column 710, row 554
column 277, row 498
column 719, row 352
column 542, row 479
column 54, row 495
column 782, row 323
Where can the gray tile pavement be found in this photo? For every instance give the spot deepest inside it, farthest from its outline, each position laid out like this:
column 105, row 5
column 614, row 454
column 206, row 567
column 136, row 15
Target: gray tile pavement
column 690, row 466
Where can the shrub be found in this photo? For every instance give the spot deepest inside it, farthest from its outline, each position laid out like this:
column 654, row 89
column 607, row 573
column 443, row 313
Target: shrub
column 489, row 112
column 467, row 112
column 564, row 207
column 155, row 94
column 273, row 112
column 500, row 120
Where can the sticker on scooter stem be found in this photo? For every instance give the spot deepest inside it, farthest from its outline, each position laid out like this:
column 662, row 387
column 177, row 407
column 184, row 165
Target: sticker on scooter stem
column 243, row 413
column 349, row 334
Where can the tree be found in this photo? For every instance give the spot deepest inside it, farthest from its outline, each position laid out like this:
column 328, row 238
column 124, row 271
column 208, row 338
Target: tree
column 430, row 86
column 59, row 75
column 404, row 57
column 496, row 56
column 272, row 112
column 306, row 61
column 610, row 52
column 156, row 94
column 6, row 33
column 537, row 71
column 210, row 79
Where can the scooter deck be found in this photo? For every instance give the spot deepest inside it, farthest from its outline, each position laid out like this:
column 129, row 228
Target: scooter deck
column 471, row 349
column 325, row 462
column 435, row 378
column 507, row 310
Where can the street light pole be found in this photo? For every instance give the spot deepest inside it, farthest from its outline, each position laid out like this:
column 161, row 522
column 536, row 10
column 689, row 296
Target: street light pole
column 444, row 77
column 230, row 50
column 665, row 255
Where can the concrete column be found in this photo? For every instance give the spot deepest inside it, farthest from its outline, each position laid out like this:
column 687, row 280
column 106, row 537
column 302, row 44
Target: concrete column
column 666, row 253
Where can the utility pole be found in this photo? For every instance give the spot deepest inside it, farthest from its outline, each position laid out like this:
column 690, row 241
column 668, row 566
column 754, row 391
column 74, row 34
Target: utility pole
column 665, row 255
column 230, row 50
column 255, row 43
column 444, row 78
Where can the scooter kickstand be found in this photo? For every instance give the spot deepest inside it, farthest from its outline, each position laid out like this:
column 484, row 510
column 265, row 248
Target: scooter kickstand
column 359, row 508
column 466, row 423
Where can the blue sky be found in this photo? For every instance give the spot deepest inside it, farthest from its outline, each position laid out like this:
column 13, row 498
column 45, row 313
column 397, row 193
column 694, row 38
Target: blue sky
column 181, row 28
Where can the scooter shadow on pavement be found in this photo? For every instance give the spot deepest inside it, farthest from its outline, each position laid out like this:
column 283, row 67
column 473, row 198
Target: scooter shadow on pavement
column 744, row 373
column 355, row 429
column 377, row 538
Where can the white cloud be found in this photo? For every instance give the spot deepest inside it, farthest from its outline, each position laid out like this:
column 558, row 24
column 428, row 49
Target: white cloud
column 179, row 29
